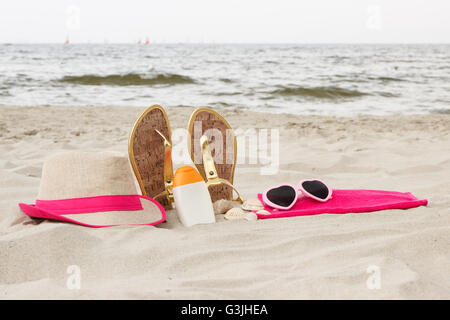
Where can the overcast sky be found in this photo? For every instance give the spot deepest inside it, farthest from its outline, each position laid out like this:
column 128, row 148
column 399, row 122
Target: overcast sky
column 263, row 21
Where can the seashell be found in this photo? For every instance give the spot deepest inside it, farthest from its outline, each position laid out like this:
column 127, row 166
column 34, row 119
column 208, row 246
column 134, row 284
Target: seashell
column 238, row 214
column 262, row 212
column 252, row 204
column 222, row 206
column 235, row 214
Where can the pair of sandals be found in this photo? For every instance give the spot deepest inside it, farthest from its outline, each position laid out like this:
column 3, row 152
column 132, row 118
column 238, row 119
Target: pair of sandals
column 150, row 152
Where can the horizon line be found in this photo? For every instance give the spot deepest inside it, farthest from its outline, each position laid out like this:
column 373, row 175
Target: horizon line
column 225, row 42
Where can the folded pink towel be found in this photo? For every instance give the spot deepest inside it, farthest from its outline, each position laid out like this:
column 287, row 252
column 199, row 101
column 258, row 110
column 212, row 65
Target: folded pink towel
column 347, row 201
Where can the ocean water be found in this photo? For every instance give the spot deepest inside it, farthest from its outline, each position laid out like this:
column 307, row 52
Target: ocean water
column 337, row 80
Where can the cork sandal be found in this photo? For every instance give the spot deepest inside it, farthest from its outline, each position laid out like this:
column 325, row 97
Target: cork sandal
column 150, row 152
column 207, row 127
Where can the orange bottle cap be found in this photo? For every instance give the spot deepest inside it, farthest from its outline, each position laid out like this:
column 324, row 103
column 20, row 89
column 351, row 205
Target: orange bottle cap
column 186, row 175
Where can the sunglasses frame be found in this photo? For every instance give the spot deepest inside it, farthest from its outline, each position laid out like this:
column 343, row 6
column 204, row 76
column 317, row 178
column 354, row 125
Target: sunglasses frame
column 302, row 193
column 309, row 195
column 273, row 205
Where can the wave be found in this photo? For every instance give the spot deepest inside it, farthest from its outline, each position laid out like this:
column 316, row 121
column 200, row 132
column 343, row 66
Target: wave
column 441, row 111
column 226, row 80
column 129, row 79
column 358, row 79
column 319, row 92
column 222, row 104
column 387, row 94
column 385, row 79
column 219, row 94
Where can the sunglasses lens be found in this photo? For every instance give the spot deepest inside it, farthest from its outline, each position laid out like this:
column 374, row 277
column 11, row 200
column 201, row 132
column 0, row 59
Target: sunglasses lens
column 316, row 189
column 282, row 196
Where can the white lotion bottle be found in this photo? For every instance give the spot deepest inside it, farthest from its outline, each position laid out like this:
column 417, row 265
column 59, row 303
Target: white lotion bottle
column 192, row 200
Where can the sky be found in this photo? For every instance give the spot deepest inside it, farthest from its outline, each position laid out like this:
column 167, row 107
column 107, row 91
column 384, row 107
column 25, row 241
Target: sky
column 226, row 21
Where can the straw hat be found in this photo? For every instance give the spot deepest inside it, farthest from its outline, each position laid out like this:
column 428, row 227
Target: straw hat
column 92, row 189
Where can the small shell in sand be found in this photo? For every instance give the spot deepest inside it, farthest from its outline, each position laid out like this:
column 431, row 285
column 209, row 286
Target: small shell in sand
column 262, row 212
column 252, row 204
column 238, row 213
column 235, row 213
column 222, row 205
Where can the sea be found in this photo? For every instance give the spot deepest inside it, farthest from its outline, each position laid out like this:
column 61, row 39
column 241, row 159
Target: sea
column 334, row 79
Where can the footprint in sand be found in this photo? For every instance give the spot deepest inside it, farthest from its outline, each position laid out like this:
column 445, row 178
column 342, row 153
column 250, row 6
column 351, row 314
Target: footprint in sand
column 9, row 165
column 29, row 171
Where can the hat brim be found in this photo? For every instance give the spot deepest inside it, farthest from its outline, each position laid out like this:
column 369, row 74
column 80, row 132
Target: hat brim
column 150, row 213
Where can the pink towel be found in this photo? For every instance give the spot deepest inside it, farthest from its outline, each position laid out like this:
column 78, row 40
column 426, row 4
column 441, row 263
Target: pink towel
column 347, row 201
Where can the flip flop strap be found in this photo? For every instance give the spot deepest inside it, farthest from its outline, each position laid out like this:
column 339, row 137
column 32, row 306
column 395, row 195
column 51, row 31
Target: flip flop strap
column 212, row 177
column 168, row 169
column 218, row 181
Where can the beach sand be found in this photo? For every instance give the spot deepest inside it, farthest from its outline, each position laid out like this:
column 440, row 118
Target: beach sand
column 320, row 257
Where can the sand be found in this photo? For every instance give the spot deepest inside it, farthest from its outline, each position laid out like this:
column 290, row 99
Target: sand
column 314, row 257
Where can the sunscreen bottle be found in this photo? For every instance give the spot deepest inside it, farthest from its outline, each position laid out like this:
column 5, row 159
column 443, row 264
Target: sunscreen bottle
column 192, row 200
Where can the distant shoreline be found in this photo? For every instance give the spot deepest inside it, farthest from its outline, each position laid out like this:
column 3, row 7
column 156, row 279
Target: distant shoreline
column 232, row 43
